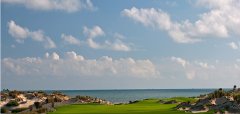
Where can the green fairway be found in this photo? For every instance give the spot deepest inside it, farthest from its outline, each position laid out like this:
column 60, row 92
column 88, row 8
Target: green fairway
column 150, row 106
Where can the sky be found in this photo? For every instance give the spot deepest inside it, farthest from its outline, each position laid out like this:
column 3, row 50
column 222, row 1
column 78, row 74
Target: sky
column 144, row 44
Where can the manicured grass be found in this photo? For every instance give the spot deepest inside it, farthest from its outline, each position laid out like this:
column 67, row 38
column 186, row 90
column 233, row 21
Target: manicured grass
column 149, row 106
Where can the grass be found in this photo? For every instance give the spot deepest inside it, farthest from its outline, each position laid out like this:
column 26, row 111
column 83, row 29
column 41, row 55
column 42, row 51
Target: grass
column 148, row 106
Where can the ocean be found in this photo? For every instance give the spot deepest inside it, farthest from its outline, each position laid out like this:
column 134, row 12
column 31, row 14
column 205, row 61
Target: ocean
column 124, row 96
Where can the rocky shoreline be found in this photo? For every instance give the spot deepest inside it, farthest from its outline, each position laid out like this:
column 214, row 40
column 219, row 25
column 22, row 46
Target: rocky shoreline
column 219, row 101
column 32, row 102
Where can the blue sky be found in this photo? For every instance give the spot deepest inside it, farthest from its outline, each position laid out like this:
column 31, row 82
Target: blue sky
column 119, row 44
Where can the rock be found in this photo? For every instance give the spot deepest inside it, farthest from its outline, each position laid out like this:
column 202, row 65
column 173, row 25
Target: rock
column 183, row 105
column 202, row 102
column 220, row 101
column 197, row 108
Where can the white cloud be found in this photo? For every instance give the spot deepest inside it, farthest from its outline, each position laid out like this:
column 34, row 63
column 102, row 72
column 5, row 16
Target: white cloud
column 190, row 75
column 37, row 35
column 53, row 65
column 221, row 21
column 89, row 5
column 55, row 56
column 197, row 69
column 117, row 44
column 233, row 45
column 73, row 56
column 94, row 32
column 149, row 17
column 21, row 34
column 205, row 65
column 70, row 39
column 49, row 43
column 46, row 5
column 179, row 60
column 17, row 31
column 156, row 18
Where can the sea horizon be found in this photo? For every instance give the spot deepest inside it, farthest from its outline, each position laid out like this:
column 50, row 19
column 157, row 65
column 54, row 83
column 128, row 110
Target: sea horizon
column 113, row 89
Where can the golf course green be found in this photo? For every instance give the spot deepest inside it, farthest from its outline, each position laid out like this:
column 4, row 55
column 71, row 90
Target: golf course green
column 147, row 106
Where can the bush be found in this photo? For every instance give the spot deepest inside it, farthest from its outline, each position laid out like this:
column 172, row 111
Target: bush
column 42, row 110
column 12, row 103
column 37, row 105
column 83, row 97
column 14, row 93
column 217, row 94
column 19, row 110
column 57, row 99
column 237, row 98
column 49, row 100
column 4, row 110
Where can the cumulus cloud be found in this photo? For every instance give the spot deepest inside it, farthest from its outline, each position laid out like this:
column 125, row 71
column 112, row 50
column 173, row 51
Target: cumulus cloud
column 73, row 56
column 179, row 60
column 233, row 45
column 94, row 32
column 17, row 31
column 117, row 44
column 46, row 5
column 221, row 21
column 53, row 56
column 21, row 33
column 198, row 69
column 70, row 39
column 71, row 64
column 205, row 65
column 53, row 64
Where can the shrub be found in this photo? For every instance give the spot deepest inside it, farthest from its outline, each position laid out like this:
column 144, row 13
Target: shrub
column 57, row 99
column 14, row 93
column 37, row 105
column 42, row 110
column 237, row 98
column 83, row 97
column 217, row 94
column 12, row 103
column 19, row 110
column 4, row 110
column 49, row 100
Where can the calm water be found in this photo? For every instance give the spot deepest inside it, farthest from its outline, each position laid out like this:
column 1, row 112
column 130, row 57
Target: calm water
column 117, row 96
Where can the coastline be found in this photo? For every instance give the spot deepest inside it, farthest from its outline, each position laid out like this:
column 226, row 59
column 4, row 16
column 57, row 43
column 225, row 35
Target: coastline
column 41, row 101
column 126, row 95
